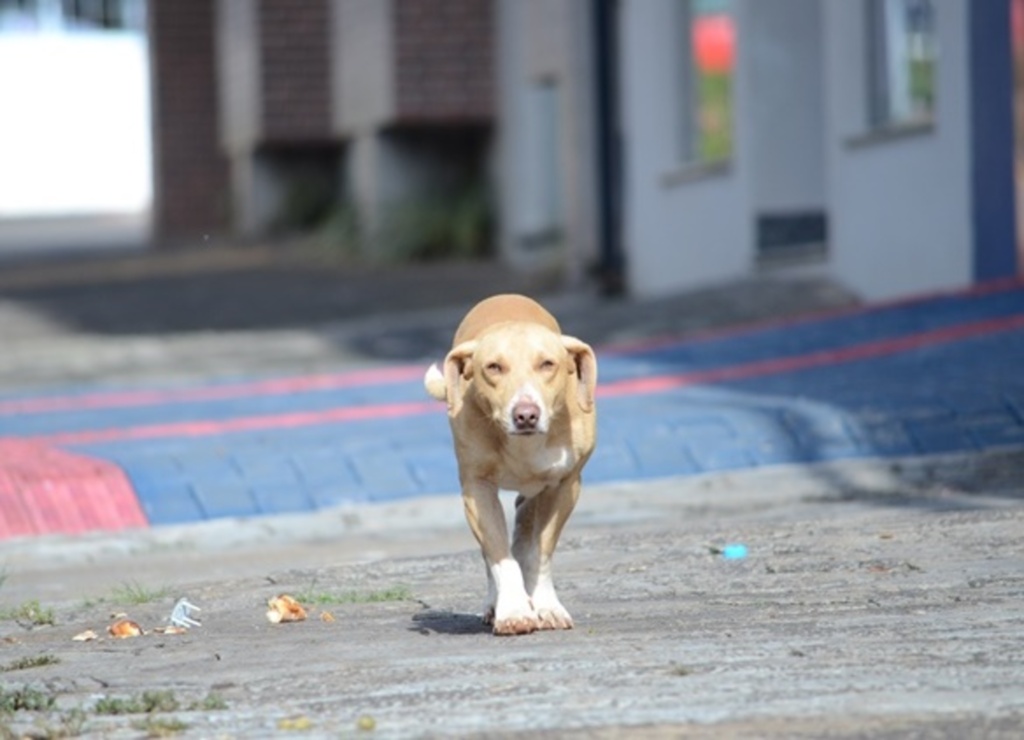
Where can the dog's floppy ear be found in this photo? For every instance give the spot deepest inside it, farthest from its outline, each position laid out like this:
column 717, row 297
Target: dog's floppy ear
column 458, row 367
column 586, row 369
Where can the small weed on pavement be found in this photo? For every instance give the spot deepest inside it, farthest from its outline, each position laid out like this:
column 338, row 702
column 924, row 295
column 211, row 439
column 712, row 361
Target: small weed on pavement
column 145, row 703
column 71, row 723
column 134, row 594
column 30, row 614
column 313, row 596
column 35, row 661
column 210, row 703
column 25, row 698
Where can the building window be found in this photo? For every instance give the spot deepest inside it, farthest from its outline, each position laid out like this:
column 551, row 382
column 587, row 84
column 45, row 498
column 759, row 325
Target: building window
column 706, row 80
column 902, row 56
column 74, row 15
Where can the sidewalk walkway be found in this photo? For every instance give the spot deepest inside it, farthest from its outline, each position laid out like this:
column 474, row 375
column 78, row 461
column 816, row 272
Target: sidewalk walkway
column 939, row 374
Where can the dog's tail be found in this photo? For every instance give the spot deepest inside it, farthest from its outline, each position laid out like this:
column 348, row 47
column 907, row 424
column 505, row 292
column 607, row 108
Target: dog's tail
column 433, row 381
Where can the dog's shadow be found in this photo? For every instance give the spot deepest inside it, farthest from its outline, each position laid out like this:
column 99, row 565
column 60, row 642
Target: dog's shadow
column 439, row 622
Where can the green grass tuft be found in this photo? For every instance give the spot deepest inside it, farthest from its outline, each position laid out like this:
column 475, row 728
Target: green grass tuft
column 147, row 703
column 30, row 662
column 25, row 698
column 323, row 598
column 210, row 703
column 135, row 593
column 31, row 613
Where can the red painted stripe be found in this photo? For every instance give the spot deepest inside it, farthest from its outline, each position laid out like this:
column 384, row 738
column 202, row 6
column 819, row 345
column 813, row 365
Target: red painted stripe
column 244, row 424
column 779, row 365
column 990, row 287
column 272, row 387
column 632, row 387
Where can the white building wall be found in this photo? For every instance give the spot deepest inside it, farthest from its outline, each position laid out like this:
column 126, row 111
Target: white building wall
column 900, row 206
column 680, row 231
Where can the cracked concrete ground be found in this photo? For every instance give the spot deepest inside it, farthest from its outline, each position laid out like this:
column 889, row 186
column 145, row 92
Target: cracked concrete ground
column 877, row 599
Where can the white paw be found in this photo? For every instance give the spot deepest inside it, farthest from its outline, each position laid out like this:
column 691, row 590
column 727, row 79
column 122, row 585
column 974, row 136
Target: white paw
column 551, row 615
column 513, row 612
column 518, row 620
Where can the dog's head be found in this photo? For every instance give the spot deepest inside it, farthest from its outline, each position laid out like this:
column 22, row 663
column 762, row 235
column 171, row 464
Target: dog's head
column 521, row 375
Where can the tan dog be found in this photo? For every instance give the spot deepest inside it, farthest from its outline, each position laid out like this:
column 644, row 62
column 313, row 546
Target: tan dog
column 521, row 406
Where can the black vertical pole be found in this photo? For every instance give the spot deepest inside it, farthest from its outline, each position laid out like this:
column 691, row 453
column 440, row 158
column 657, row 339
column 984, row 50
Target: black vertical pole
column 609, row 162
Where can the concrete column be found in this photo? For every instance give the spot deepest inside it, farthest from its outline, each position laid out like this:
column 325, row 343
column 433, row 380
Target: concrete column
column 362, row 183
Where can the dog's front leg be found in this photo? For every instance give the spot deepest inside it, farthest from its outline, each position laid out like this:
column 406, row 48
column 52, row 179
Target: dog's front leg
column 539, row 523
column 513, row 613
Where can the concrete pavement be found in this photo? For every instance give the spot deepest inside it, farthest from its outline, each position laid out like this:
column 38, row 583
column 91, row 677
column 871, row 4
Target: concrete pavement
column 876, row 600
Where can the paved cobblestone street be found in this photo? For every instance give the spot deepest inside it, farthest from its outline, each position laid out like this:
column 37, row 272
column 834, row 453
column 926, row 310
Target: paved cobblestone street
column 931, row 376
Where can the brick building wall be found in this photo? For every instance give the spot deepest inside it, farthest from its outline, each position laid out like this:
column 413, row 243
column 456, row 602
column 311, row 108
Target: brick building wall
column 282, row 122
column 295, row 70
column 190, row 170
column 444, row 61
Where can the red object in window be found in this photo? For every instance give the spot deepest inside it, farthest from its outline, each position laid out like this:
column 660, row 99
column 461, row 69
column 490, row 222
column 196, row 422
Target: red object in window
column 714, row 42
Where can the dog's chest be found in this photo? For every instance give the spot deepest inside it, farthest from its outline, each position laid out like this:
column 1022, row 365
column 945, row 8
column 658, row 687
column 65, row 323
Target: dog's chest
column 530, row 468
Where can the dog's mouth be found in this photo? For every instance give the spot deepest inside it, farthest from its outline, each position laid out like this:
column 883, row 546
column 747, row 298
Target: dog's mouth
column 524, row 432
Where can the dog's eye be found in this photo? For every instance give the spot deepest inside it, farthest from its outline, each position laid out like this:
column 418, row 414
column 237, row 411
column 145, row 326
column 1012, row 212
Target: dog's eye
column 546, row 366
column 494, row 368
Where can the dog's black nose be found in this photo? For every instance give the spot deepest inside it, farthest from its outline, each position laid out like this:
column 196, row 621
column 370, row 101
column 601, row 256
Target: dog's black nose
column 525, row 416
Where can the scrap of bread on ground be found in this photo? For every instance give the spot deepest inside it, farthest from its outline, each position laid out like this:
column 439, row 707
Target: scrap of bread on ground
column 125, row 628
column 284, row 608
column 171, row 629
